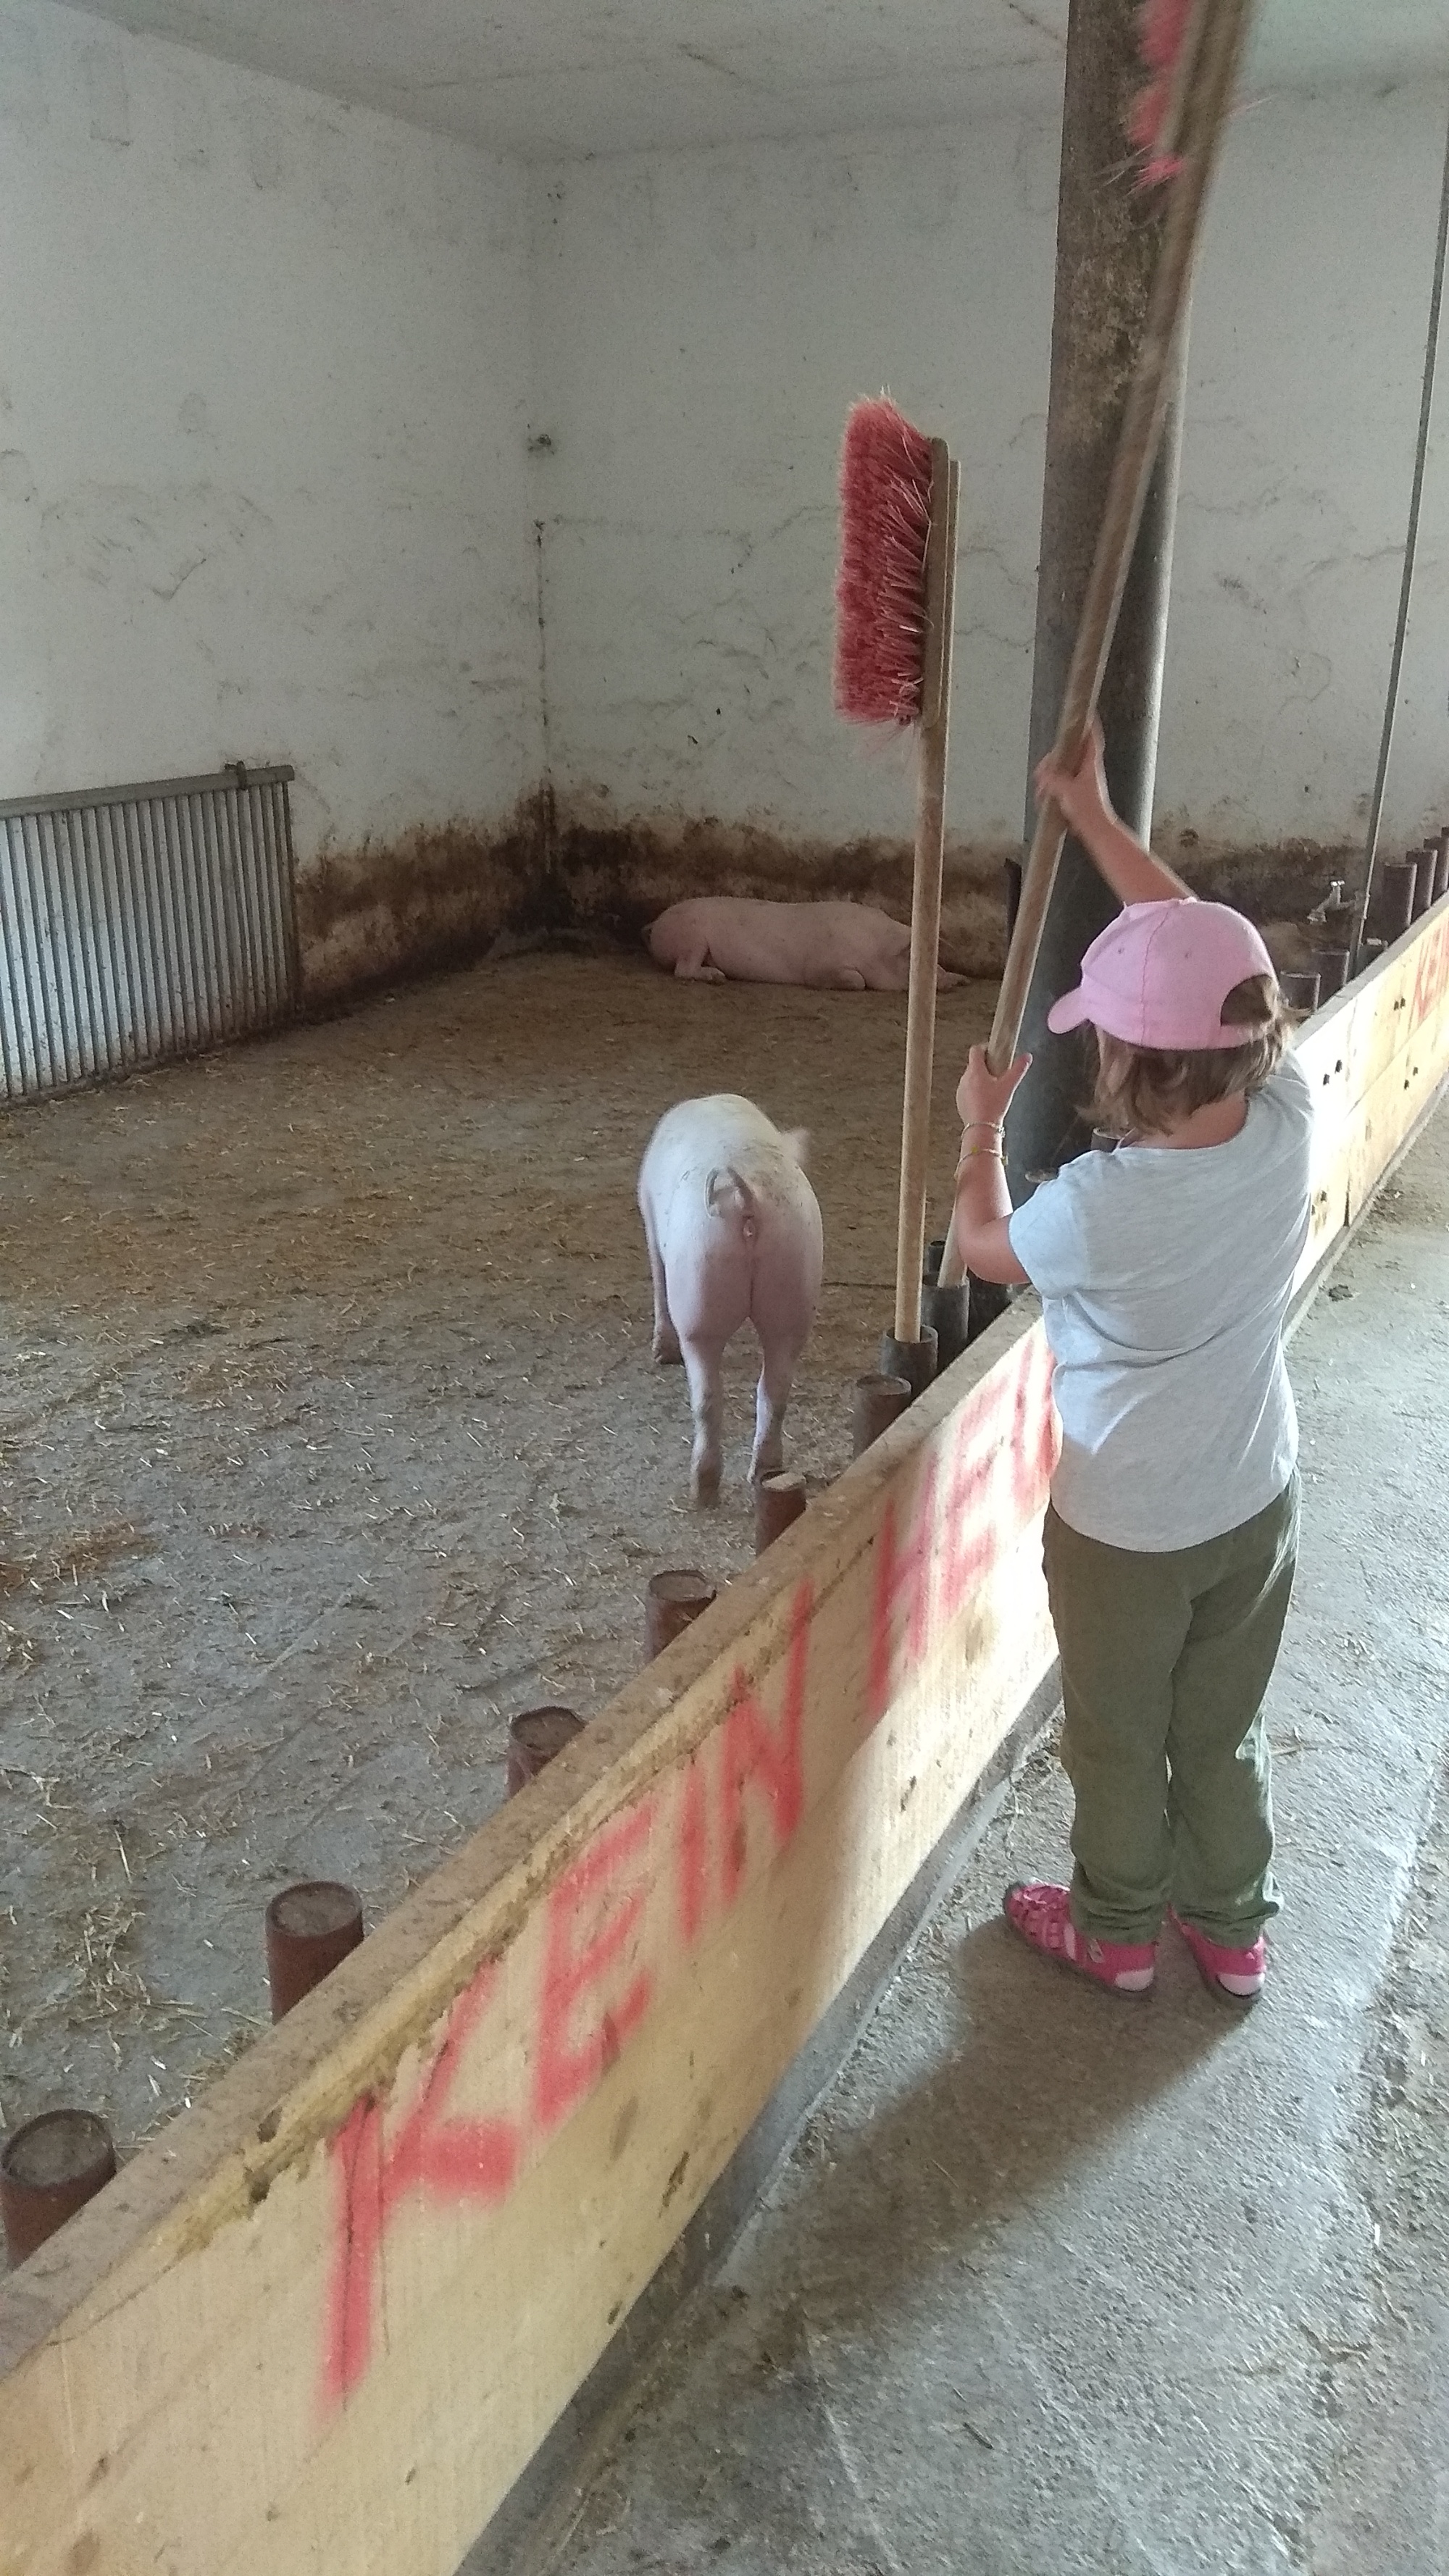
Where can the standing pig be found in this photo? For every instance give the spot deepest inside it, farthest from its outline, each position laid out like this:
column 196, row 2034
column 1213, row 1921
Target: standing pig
column 734, row 1236
column 839, row 947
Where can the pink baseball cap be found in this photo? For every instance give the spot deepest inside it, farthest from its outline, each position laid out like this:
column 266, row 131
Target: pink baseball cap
column 1159, row 974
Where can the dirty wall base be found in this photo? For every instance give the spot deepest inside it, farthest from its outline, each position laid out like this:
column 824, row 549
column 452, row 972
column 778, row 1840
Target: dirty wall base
column 442, row 895
column 617, row 873
column 434, row 898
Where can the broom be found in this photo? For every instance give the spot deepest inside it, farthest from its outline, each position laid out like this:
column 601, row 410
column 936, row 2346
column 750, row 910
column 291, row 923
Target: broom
column 1191, row 50
column 894, row 601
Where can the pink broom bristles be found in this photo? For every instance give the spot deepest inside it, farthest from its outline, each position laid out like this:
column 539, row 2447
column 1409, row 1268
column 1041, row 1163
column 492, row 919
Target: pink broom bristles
column 880, row 595
column 1162, row 32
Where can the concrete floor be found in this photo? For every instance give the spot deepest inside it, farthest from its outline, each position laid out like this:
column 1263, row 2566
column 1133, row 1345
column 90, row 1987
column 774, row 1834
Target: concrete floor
column 1057, row 2285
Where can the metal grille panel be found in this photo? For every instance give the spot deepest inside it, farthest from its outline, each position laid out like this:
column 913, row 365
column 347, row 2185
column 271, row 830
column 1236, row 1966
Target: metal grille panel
column 141, row 923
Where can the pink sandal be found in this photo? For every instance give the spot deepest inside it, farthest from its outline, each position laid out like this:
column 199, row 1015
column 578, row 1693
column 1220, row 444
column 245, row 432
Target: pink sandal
column 1236, row 1976
column 1042, row 1915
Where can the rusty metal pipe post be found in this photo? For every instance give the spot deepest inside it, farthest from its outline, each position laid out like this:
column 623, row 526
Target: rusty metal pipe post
column 49, row 2169
column 947, row 1311
column 672, row 1600
column 914, row 1361
column 1338, row 926
column 534, row 1737
column 1331, row 965
column 1395, row 887
column 310, row 1928
column 944, row 1311
column 779, row 1502
column 879, row 1401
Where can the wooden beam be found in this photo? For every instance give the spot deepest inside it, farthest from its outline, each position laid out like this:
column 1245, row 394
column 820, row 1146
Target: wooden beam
column 326, row 2318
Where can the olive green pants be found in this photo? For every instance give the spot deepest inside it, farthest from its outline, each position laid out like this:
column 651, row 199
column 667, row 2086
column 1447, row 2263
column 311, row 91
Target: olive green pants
column 1166, row 1661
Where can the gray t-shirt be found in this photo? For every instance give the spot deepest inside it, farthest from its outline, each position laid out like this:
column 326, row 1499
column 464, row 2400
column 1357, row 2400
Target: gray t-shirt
column 1164, row 1277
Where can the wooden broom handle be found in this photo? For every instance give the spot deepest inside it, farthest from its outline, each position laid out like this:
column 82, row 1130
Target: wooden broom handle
column 1214, row 41
column 926, row 890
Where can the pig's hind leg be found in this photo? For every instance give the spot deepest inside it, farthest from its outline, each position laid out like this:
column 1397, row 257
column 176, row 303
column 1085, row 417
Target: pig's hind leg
column 703, row 1362
column 777, row 1376
column 664, row 1348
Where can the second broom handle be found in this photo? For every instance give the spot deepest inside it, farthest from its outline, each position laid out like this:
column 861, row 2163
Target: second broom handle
column 932, row 746
column 1205, row 108
column 921, row 1025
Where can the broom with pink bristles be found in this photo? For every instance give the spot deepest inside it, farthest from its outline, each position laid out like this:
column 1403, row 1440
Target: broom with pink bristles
column 895, row 601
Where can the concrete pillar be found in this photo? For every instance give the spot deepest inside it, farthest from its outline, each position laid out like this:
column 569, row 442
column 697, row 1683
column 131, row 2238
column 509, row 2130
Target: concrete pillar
column 1108, row 234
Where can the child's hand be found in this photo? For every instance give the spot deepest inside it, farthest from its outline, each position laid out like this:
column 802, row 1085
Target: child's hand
column 1081, row 793
column 983, row 1096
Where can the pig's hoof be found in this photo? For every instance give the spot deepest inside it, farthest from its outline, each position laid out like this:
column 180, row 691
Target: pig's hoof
column 768, row 1463
column 666, row 1351
column 704, row 1488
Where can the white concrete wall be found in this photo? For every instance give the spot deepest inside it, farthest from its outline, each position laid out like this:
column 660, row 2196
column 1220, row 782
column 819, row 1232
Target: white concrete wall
column 268, row 371
column 263, row 406
column 705, row 318
column 1307, row 363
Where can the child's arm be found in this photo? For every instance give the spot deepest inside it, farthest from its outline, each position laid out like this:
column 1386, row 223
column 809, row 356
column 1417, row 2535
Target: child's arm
column 983, row 1201
column 1130, row 869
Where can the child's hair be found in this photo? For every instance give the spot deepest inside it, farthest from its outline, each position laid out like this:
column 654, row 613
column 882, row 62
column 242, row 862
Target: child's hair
column 1143, row 1091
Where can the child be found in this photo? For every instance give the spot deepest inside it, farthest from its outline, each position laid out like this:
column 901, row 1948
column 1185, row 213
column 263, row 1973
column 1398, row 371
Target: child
column 1164, row 1271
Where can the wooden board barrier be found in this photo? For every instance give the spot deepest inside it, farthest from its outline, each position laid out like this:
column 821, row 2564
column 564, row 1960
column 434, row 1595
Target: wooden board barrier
column 1376, row 1055
column 326, row 2318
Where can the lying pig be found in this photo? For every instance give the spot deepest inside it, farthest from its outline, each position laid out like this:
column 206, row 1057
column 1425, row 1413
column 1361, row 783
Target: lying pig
column 734, row 1236
column 840, row 947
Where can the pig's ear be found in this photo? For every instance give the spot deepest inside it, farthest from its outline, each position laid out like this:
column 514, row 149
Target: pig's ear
column 796, row 1141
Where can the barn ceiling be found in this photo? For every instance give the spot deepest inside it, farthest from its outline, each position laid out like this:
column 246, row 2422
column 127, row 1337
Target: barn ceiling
column 547, row 78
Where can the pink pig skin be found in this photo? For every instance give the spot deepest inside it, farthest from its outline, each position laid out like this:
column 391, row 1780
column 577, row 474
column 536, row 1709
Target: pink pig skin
column 734, row 1236
column 843, row 947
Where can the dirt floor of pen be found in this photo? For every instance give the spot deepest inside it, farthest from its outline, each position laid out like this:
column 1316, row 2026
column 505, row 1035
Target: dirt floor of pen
column 329, row 1439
